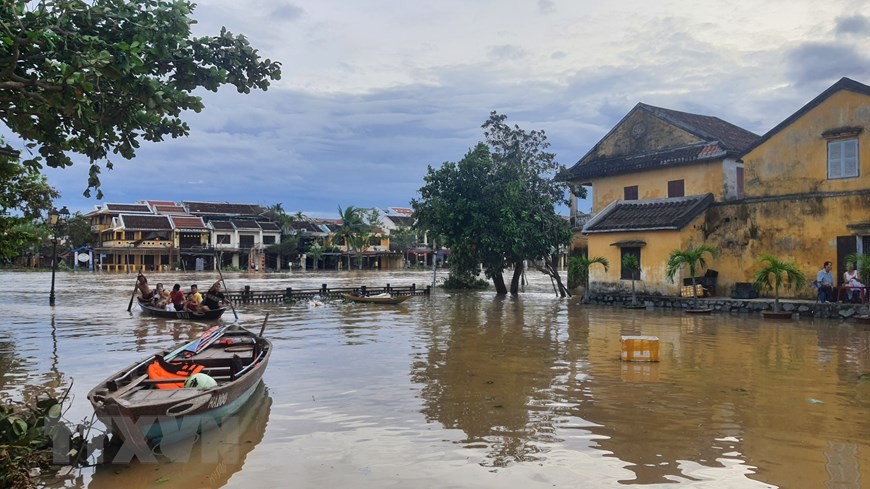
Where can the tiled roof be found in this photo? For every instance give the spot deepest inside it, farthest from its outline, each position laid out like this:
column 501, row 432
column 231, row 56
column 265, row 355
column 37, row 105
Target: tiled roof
column 159, row 202
column 843, row 84
column 188, row 222
column 223, row 208
column 406, row 221
column 648, row 215
column 269, row 226
column 169, row 209
column 733, row 138
column 619, row 165
column 128, row 207
column 242, row 224
column 401, row 211
column 145, row 223
column 222, row 225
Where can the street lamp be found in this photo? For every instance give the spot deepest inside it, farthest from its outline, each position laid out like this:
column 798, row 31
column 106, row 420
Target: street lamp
column 55, row 219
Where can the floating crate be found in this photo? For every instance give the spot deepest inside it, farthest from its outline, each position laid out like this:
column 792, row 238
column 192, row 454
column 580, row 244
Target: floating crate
column 640, row 348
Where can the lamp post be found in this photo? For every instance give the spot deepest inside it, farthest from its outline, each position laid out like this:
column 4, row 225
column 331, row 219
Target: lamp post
column 55, row 219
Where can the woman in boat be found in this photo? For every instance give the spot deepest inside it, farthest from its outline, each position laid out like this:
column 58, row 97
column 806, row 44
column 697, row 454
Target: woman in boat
column 176, row 297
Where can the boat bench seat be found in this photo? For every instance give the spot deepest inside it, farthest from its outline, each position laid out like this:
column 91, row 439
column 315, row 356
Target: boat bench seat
column 217, row 356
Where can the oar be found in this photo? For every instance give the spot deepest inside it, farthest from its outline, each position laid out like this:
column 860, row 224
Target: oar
column 133, row 295
column 225, row 288
column 264, row 325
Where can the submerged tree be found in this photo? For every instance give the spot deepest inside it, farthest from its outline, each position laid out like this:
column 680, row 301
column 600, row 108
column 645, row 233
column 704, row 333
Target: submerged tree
column 775, row 274
column 693, row 258
column 497, row 204
column 99, row 77
column 578, row 271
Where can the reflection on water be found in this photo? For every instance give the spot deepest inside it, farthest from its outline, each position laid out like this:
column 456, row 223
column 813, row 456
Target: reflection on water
column 209, row 461
column 469, row 390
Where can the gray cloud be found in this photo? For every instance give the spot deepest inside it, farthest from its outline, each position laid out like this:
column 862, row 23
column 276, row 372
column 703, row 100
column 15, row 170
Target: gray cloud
column 818, row 61
column 858, row 25
column 286, row 11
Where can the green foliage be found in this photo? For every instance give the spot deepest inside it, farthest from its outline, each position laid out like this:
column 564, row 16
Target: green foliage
column 99, row 77
column 315, row 251
column 496, row 205
column 690, row 257
column 27, row 431
column 25, row 197
column 403, row 239
column 578, row 271
column 775, row 274
column 632, row 264
column 78, row 231
column 464, row 281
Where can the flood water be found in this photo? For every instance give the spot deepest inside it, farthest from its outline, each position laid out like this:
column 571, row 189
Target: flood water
column 468, row 390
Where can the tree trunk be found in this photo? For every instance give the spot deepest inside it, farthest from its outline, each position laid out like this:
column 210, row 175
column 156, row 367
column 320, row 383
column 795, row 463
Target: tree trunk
column 515, row 281
column 633, row 295
column 498, row 281
column 694, row 292
column 553, row 268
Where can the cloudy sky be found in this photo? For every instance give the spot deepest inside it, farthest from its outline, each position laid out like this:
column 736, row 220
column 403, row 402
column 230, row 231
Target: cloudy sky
column 375, row 91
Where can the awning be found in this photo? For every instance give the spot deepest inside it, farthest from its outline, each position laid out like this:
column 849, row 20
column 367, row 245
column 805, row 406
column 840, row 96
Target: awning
column 635, row 243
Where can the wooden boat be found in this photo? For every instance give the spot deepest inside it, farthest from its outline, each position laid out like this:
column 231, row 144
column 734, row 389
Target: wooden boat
column 196, row 315
column 146, row 404
column 377, row 299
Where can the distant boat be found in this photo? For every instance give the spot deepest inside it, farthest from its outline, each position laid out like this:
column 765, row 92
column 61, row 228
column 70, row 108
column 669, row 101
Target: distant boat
column 377, row 299
column 195, row 315
column 180, row 391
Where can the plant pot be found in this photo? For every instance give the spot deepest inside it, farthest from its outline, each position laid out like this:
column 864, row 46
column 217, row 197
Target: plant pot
column 700, row 310
column 777, row 315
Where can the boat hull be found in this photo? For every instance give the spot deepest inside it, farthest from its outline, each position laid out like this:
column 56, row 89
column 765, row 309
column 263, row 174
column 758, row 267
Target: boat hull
column 196, row 316
column 396, row 299
column 144, row 416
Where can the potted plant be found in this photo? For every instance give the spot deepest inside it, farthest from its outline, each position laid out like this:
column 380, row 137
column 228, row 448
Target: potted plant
column 631, row 263
column 773, row 275
column 693, row 258
column 578, row 271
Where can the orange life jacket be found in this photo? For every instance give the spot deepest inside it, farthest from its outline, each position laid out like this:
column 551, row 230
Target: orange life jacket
column 160, row 369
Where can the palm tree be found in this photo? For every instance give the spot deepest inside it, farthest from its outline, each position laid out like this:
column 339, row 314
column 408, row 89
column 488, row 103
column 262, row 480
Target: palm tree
column 351, row 225
column 694, row 259
column 775, row 274
column 631, row 263
column 578, row 271
column 316, row 253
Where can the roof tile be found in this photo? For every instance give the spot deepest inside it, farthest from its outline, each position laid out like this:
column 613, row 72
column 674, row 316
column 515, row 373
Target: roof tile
column 648, row 215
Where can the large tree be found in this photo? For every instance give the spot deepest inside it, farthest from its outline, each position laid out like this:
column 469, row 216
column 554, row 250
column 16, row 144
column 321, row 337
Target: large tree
column 25, row 199
column 496, row 206
column 100, row 76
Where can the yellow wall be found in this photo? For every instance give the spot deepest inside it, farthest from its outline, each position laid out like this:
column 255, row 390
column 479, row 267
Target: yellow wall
column 653, row 259
column 794, row 160
column 698, row 179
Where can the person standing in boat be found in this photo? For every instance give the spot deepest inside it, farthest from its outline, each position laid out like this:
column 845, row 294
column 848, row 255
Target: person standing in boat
column 214, row 298
column 142, row 284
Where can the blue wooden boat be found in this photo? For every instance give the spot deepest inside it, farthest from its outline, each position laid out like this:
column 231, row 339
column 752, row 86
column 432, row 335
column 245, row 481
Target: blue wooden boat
column 181, row 391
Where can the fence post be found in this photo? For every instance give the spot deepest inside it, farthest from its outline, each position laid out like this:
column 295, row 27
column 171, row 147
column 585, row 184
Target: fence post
column 247, row 294
column 323, row 291
column 288, row 293
column 428, row 290
column 388, row 287
column 362, row 290
column 413, row 288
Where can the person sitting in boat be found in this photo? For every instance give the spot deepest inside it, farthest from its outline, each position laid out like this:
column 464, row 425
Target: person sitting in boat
column 214, row 298
column 145, row 291
column 160, row 296
column 176, row 297
column 194, row 299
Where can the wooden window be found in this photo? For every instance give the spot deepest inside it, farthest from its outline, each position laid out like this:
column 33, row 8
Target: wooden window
column 676, row 188
column 224, row 239
column 739, row 183
column 268, row 240
column 246, row 241
column 626, row 274
column 843, row 158
column 630, row 193
column 129, row 236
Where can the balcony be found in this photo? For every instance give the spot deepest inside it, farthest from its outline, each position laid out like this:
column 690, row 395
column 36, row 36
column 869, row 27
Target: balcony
column 579, row 220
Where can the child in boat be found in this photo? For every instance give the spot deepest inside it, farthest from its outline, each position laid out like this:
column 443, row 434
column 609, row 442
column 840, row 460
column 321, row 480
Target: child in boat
column 194, row 299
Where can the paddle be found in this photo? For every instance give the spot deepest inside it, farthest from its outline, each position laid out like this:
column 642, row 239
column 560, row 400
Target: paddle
column 133, row 295
column 228, row 290
column 264, row 325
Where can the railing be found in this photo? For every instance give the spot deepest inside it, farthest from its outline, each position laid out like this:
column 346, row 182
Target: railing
column 579, row 220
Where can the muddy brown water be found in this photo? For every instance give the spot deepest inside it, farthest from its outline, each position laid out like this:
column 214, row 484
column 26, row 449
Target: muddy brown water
column 469, row 390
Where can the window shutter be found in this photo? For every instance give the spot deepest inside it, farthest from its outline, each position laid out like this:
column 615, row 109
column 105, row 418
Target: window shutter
column 850, row 158
column 835, row 158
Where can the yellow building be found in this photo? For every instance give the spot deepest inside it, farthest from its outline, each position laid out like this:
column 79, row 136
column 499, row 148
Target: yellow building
column 663, row 180
column 807, row 189
column 652, row 178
